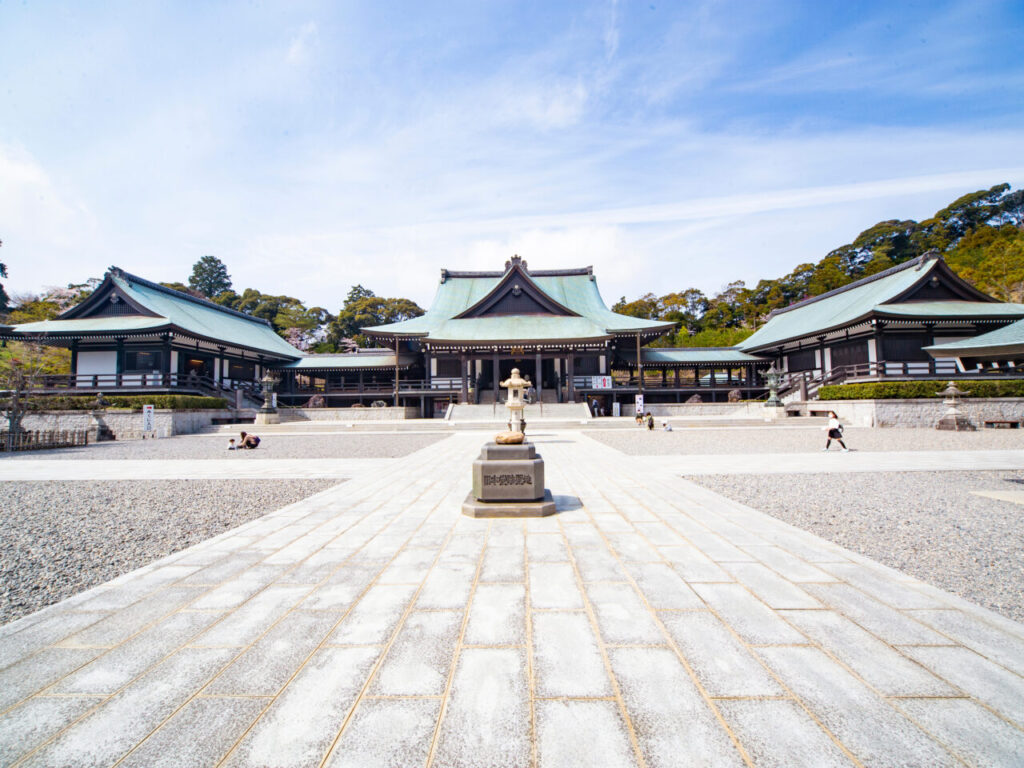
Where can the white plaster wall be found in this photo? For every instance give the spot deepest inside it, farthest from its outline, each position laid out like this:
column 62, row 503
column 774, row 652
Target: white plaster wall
column 92, row 362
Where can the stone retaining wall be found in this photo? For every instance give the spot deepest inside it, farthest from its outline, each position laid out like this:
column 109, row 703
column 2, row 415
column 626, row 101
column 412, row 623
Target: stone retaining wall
column 348, row 414
column 918, row 412
column 126, row 425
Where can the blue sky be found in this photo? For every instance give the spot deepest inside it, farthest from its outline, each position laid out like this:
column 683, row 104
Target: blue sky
column 314, row 145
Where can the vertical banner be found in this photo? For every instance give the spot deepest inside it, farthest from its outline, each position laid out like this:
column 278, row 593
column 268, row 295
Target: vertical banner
column 639, row 403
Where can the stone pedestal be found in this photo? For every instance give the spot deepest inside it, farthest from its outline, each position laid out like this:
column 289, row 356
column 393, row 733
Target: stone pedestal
column 774, row 413
column 508, row 481
column 267, row 417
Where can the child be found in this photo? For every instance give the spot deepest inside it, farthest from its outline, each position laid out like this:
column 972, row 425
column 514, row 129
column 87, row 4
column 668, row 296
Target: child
column 231, row 444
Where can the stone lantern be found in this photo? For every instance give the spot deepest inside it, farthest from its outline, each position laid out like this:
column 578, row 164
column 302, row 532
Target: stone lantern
column 954, row 419
column 508, row 477
column 772, row 377
column 516, row 386
column 267, row 414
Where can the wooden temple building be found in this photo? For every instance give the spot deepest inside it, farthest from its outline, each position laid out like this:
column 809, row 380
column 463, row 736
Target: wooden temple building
column 553, row 325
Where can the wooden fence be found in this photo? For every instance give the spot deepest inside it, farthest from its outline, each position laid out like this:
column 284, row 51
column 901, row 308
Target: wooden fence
column 38, row 440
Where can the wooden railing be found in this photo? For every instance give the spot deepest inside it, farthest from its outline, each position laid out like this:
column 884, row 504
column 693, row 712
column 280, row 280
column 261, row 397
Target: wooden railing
column 40, row 440
column 86, row 383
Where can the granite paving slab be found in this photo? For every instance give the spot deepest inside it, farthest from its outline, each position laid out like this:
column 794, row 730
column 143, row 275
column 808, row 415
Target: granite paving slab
column 648, row 623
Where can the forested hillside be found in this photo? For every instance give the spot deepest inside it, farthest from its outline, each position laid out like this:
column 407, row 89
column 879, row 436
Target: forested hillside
column 980, row 235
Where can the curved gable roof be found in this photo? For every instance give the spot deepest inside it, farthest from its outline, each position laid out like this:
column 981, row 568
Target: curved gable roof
column 572, row 290
column 878, row 294
column 158, row 308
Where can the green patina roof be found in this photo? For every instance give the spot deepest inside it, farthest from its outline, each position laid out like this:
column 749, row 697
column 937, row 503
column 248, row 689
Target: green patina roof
column 860, row 300
column 576, row 290
column 1008, row 339
column 689, row 355
column 174, row 311
column 205, row 318
column 347, row 362
column 105, row 325
column 954, row 309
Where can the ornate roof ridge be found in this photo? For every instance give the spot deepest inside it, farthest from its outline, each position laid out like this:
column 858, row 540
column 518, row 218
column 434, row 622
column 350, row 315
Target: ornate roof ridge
column 446, row 274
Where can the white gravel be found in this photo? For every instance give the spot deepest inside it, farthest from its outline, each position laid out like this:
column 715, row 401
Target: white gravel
column 927, row 524
column 60, row 538
column 719, row 440
column 272, row 446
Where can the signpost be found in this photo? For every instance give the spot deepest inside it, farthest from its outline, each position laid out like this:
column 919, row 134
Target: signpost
column 148, row 422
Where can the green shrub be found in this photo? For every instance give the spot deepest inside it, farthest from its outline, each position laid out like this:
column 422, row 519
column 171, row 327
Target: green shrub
column 133, row 402
column 899, row 390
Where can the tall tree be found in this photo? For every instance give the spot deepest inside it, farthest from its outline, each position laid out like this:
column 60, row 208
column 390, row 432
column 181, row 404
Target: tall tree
column 210, row 277
column 363, row 308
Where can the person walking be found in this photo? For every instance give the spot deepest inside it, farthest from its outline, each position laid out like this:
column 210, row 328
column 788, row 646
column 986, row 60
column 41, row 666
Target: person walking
column 835, row 432
column 650, row 421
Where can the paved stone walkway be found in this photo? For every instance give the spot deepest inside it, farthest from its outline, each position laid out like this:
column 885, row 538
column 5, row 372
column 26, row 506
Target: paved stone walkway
column 650, row 622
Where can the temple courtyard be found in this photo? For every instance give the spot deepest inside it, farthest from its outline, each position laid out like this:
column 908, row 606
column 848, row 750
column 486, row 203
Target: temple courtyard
column 711, row 596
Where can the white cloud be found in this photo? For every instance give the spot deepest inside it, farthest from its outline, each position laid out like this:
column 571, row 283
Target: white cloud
column 302, row 43
column 42, row 222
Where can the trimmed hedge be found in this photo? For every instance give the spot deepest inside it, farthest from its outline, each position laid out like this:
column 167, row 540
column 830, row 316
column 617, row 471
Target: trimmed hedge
column 901, row 390
column 133, row 402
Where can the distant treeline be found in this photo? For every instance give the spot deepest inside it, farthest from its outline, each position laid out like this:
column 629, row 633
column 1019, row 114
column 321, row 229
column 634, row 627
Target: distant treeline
column 980, row 235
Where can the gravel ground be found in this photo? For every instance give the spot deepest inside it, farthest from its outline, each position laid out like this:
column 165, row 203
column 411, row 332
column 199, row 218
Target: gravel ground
column 309, row 446
column 60, row 538
column 767, row 439
column 927, row 524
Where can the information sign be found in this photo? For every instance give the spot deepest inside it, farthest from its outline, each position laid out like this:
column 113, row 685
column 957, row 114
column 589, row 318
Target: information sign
column 639, row 399
column 148, row 423
column 600, row 382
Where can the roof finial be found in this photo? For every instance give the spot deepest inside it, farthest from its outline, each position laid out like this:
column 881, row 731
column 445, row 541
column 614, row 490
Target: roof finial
column 515, row 261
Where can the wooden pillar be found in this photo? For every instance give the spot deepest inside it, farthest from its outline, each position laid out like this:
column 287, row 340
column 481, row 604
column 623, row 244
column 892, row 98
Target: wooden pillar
column 464, row 391
column 426, row 370
column 880, row 348
column 675, row 375
column 571, row 365
column 495, row 376
column 538, row 376
column 74, row 357
column 663, row 375
column 821, row 354
column 929, row 339
column 361, row 386
column 119, row 363
column 396, row 371
column 167, row 361
column 639, row 366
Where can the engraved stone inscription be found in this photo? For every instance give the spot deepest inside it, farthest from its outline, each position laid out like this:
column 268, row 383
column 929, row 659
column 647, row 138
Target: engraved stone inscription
column 508, row 479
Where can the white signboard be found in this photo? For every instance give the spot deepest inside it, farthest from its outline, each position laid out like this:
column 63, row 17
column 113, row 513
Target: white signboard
column 148, row 423
column 273, row 399
column 639, row 403
column 600, row 382
column 616, row 409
